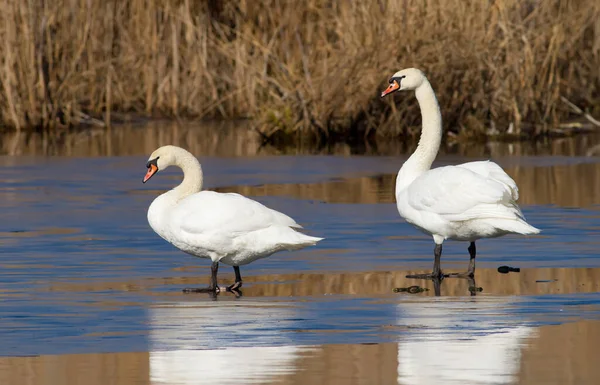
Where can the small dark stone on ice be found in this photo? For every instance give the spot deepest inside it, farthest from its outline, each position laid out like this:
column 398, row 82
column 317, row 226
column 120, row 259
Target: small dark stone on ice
column 475, row 288
column 410, row 289
column 508, row 269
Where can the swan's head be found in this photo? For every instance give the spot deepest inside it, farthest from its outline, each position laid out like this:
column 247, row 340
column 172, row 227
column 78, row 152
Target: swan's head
column 160, row 159
column 406, row 79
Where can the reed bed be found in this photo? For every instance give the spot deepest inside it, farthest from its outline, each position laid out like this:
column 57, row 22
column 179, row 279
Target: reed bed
column 311, row 68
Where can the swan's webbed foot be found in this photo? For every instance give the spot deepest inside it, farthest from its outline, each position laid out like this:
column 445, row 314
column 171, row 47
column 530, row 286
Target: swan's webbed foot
column 209, row 289
column 436, row 274
column 470, row 273
column 212, row 287
column 235, row 287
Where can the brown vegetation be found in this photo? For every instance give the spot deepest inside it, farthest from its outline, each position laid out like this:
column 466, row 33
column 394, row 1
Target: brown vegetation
column 315, row 66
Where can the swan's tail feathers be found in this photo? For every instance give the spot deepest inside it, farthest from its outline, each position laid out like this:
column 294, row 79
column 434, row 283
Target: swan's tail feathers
column 516, row 227
column 300, row 241
column 312, row 240
column 530, row 230
column 523, row 227
column 276, row 238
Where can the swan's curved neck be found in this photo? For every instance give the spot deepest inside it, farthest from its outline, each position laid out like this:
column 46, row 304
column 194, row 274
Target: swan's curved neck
column 192, row 175
column 191, row 184
column 431, row 136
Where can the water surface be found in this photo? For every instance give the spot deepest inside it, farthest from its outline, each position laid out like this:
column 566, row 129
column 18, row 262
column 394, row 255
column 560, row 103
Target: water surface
column 90, row 294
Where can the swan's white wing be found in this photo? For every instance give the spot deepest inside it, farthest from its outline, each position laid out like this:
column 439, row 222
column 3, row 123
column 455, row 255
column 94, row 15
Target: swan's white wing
column 458, row 194
column 209, row 212
column 491, row 170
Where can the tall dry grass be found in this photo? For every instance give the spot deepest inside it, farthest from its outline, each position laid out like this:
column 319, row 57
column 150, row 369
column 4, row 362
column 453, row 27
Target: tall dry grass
column 315, row 66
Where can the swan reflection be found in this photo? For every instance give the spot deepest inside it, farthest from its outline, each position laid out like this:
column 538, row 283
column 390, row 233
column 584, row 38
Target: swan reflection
column 221, row 343
column 474, row 341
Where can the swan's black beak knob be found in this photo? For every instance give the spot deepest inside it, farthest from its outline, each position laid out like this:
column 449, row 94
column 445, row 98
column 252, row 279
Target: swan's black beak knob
column 394, row 86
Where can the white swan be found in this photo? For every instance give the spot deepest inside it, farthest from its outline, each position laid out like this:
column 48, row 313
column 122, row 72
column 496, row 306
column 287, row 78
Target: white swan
column 465, row 202
column 228, row 228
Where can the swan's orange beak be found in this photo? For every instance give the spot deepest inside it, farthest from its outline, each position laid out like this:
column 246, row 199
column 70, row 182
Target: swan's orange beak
column 394, row 86
column 152, row 169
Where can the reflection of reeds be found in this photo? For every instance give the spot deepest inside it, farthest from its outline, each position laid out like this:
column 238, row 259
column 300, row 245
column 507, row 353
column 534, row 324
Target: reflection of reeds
column 569, row 349
column 227, row 138
column 377, row 189
column 315, row 65
column 568, row 280
column 572, row 184
column 559, row 354
column 224, row 138
column 576, row 185
column 75, row 369
column 563, row 354
column 381, row 283
column 344, row 364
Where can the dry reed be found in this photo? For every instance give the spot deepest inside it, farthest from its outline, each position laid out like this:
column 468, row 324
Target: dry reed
column 300, row 67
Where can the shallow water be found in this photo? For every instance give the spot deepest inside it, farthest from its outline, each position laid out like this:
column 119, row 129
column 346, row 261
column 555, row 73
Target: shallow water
column 90, row 294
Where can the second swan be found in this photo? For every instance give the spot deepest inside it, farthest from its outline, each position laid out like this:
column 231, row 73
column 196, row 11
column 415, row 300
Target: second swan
column 465, row 202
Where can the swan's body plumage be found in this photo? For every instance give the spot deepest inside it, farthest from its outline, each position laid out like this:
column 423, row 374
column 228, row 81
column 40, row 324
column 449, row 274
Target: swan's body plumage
column 228, row 228
column 224, row 227
column 465, row 202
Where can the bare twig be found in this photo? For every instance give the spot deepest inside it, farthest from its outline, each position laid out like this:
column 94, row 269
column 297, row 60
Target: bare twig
column 579, row 111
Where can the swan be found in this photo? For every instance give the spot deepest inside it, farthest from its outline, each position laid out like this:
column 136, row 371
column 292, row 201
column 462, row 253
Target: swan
column 228, row 228
column 465, row 202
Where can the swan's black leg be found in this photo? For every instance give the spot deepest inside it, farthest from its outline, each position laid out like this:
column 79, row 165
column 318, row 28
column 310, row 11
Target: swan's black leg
column 437, row 269
column 238, row 280
column 470, row 273
column 212, row 287
column 436, row 274
column 472, row 254
column 473, row 288
column 437, row 284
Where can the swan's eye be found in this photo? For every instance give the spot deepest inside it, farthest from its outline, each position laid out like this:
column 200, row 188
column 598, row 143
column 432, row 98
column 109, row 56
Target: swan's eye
column 153, row 162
